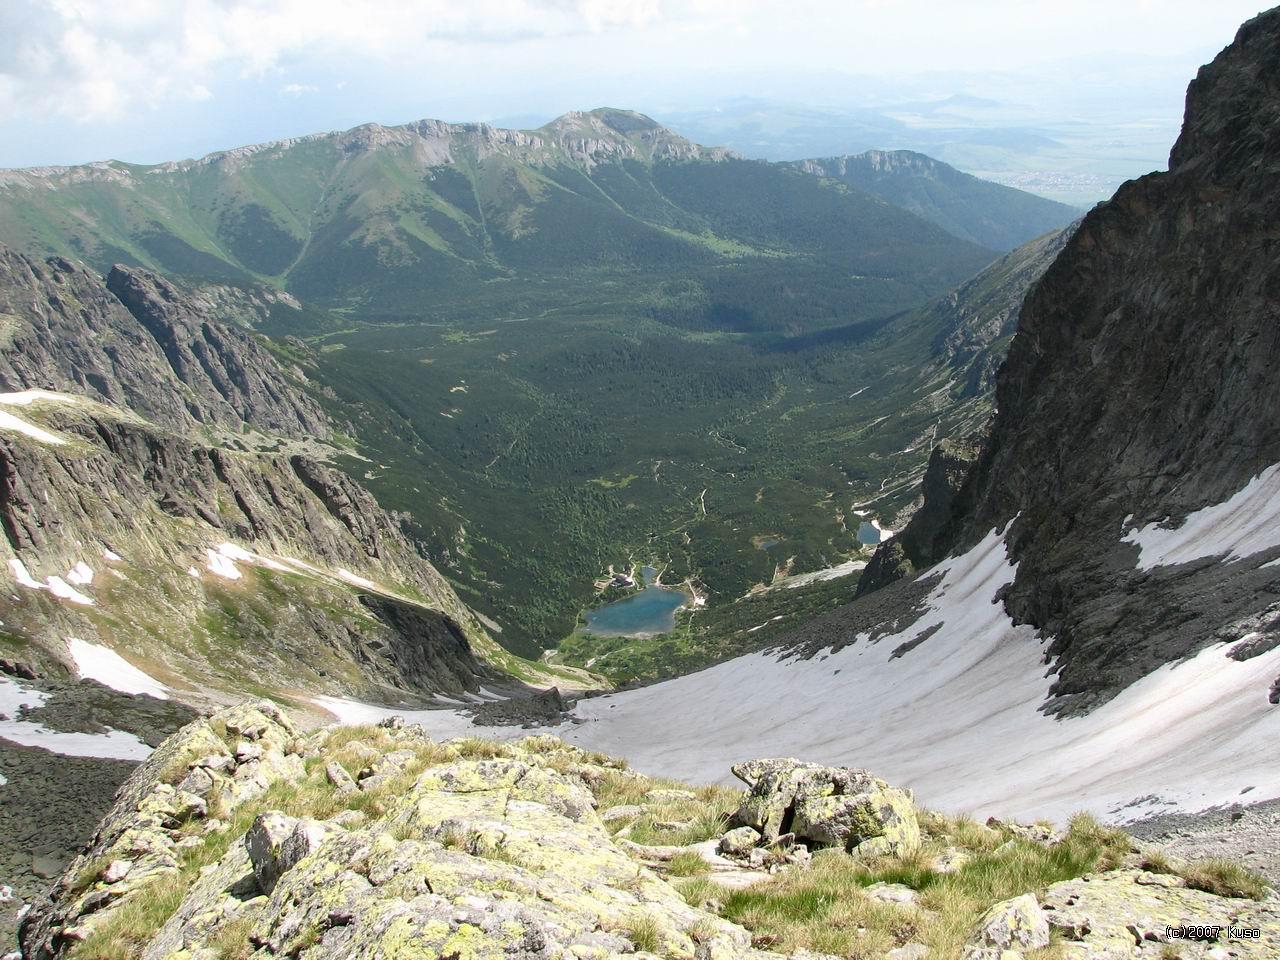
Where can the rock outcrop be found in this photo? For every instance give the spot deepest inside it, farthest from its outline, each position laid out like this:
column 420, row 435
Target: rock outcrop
column 925, row 539
column 1135, row 913
column 826, row 807
column 456, row 854
column 1139, row 389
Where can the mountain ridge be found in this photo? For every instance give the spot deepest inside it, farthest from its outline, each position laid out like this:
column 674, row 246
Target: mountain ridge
column 985, row 212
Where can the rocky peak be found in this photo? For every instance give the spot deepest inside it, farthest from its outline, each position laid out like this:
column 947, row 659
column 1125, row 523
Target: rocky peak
column 608, row 133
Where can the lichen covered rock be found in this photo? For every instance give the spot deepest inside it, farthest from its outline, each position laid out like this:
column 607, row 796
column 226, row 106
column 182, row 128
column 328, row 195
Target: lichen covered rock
column 1129, row 913
column 442, row 850
column 1014, row 925
column 827, row 807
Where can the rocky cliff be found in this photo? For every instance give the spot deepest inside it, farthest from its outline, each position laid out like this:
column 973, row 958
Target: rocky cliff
column 1130, row 457
column 139, row 343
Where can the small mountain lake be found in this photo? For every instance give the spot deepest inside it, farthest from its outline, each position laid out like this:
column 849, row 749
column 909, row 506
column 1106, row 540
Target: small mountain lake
column 870, row 534
column 652, row 610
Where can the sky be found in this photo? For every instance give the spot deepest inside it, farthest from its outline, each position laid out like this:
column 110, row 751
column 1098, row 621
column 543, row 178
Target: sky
column 152, row 80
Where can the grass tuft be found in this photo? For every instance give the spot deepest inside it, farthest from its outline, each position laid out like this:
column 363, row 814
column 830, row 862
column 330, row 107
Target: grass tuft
column 1226, row 878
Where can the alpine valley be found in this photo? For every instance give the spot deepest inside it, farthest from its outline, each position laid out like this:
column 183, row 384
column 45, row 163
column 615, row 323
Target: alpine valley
column 322, row 459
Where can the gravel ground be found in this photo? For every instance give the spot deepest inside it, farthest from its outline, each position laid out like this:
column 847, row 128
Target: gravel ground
column 1248, row 833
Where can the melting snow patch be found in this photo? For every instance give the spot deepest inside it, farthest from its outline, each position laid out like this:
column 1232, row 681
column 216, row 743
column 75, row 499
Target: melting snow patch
column 113, row 745
column 64, row 591
column 234, row 552
column 110, row 555
column 352, row 579
column 109, row 668
column 1243, row 524
column 193, row 572
column 81, row 574
column 9, row 422
column 3, row 779
column 19, row 571
column 22, row 398
column 221, row 566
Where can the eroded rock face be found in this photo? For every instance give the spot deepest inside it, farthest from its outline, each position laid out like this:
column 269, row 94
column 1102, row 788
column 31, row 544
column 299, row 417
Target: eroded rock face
column 140, row 343
column 484, row 857
column 827, row 807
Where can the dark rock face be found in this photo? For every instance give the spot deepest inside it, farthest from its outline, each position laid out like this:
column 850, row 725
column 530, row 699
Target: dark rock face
column 430, row 651
column 140, row 343
column 226, row 367
column 1142, row 385
column 980, row 315
column 925, row 540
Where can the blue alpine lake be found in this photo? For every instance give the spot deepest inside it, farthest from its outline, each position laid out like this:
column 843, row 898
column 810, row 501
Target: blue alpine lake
column 868, row 534
column 652, row 610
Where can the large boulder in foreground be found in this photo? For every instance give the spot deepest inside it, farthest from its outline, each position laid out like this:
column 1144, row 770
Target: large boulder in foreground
column 827, row 807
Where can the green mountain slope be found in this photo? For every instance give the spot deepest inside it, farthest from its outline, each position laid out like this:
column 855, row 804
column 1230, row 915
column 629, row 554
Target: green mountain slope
column 434, row 220
column 969, row 207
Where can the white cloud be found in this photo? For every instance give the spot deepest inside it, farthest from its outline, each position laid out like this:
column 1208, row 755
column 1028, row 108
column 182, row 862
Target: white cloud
column 298, row 89
column 102, row 60
column 99, row 59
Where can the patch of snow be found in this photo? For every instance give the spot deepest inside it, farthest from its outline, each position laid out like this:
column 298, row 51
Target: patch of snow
column 3, row 779
column 233, row 552
column 64, row 591
column 55, row 585
column 110, row 555
column 20, row 574
column 23, row 398
column 958, row 717
column 9, row 422
column 221, row 566
column 1243, row 524
column 193, row 572
column 109, row 668
column 113, row 745
column 356, row 581
column 81, row 574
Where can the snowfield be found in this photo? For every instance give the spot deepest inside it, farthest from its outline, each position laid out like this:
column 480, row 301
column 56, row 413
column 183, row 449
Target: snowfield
column 112, row 670
column 1242, row 525
column 958, row 717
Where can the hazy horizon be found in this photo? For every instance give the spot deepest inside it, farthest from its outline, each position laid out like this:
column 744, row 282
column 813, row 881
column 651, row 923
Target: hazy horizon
column 1055, row 89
